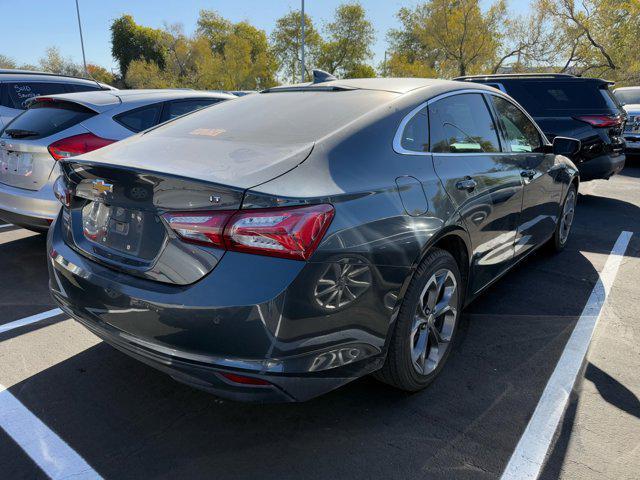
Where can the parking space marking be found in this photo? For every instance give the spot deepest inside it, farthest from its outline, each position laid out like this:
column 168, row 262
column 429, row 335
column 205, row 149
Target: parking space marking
column 52, row 454
column 6, row 225
column 528, row 458
column 29, row 320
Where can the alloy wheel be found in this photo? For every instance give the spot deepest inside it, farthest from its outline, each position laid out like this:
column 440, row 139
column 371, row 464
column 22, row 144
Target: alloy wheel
column 567, row 216
column 434, row 321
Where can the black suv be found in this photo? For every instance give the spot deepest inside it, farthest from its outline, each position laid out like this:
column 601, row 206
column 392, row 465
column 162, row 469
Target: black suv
column 575, row 107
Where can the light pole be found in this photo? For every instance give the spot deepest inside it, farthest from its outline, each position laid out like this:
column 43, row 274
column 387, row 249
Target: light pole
column 302, row 43
column 84, row 60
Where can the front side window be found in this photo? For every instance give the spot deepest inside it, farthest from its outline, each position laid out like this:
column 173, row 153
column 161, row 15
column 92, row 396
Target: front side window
column 415, row 136
column 521, row 134
column 462, row 124
column 140, row 118
column 20, row 92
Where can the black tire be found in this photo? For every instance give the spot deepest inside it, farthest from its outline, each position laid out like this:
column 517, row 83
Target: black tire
column 560, row 236
column 399, row 369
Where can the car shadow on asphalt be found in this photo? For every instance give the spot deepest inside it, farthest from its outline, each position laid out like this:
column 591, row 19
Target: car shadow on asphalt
column 130, row 421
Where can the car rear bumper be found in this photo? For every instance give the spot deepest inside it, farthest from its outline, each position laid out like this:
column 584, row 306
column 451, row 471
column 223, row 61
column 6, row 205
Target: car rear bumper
column 230, row 321
column 602, row 167
column 29, row 208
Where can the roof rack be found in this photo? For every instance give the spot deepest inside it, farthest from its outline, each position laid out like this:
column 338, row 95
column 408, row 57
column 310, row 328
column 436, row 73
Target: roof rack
column 516, row 75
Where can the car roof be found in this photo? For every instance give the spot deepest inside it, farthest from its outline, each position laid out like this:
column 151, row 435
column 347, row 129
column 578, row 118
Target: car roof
column 529, row 76
column 395, row 85
column 34, row 76
column 103, row 100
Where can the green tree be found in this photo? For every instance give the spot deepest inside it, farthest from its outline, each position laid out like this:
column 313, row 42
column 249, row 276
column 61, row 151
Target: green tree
column 130, row 41
column 54, row 62
column 360, row 70
column 349, row 39
column 144, row 74
column 286, row 39
column 448, row 37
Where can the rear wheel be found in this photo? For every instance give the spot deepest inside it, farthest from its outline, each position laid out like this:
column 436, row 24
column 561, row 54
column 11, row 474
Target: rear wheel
column 563, row 228
column 426, row 324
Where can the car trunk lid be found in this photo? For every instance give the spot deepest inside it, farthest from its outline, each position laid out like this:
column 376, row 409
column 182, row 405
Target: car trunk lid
column 115, row 218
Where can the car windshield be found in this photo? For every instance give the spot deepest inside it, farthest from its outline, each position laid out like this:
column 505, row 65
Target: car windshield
column 278, row 117
column 628, row 97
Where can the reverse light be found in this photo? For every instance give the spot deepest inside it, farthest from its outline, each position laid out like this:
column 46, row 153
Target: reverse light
column 76, row 145
column 61, row 192
column 288, row 232
column 601, row 121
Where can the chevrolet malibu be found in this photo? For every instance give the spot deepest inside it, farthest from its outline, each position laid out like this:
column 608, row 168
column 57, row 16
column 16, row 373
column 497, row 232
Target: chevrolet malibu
column 284, row 244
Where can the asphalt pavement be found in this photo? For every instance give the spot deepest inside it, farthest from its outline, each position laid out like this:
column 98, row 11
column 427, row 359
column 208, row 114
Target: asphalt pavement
column 127, row 420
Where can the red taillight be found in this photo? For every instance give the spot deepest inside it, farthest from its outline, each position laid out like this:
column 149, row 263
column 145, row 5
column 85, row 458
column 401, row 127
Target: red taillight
column 243, row 380
column 280, row 232
column 72, row 146
column 601, row 121
column 204, row 228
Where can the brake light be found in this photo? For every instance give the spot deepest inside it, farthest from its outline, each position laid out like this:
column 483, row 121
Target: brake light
column 601, row 121
column 76, row 145
column 205, row 228
column 289, row 232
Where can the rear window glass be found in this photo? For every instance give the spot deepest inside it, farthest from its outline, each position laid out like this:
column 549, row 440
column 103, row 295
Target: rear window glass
column 282, row 117
column 415, row 136
column 74, row 87
column 43, row 119
column 141, row 118
column 627, row 97
column 20, row 92
column 541, row 96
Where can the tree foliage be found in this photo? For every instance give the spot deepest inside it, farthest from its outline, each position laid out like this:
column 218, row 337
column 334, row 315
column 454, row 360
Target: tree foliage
column 286, row 40
column 130, row 41
column 7, row 62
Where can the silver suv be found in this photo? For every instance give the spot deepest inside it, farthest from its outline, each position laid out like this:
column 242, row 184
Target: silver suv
column 18, row 86
column 629, row 98
column 56, row 127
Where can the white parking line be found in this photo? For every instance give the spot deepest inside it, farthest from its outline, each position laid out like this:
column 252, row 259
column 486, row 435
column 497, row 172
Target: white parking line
column 6, row 225
column 528, row 458
column 52, row 454
column 29, row 320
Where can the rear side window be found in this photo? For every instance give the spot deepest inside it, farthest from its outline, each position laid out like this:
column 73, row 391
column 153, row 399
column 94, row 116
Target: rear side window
column 521, row 135
column 415, row 136
column 140, row 118
column 19, row 92
column 462, row 124
column 43, row 119
column 541, row 96
column 182, row 107
column 74, row 87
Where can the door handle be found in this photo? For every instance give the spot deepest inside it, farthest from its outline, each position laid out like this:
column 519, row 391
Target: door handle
column 467, row 184
column 528, row 174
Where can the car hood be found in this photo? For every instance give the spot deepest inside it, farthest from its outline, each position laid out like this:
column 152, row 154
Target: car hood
column 238, row 164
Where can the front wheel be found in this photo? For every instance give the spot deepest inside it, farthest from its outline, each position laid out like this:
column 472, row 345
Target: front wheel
column 563, row 228
column 426, row 325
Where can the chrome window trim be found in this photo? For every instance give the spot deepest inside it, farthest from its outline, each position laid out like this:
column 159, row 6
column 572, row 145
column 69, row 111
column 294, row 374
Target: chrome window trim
column 397, row 139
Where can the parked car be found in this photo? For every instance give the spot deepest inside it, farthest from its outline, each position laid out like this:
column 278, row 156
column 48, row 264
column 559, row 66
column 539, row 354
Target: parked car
column 17, row 87
column 565, row 105
column 55, row 127
column 629, row 98
column 280, row 259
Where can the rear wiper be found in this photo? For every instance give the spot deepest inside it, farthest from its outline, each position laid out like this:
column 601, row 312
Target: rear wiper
column 19, row 133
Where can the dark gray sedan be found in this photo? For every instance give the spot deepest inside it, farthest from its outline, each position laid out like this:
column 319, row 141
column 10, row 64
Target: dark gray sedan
column 283, row 244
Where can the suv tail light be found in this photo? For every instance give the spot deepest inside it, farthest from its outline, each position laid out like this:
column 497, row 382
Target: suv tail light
column 289, row 232
column 72, row 146
column 601, row 121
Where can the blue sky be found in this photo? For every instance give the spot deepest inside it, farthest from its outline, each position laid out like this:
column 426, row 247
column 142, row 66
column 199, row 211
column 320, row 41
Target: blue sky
column 28, row 32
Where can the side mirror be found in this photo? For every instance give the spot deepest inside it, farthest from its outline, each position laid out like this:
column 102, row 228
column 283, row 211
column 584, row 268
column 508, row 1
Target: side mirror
column 566, row 146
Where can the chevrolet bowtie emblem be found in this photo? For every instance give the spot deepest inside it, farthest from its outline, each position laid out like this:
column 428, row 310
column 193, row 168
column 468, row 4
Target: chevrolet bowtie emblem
column 101, row 186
